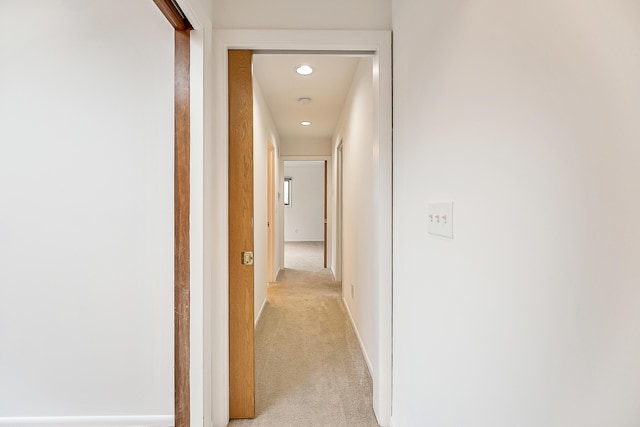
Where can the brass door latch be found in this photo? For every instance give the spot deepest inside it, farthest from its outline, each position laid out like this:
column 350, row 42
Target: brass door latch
column 247, row 258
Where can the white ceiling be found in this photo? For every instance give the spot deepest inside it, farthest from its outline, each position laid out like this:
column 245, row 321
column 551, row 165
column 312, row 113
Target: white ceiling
column 282, row 87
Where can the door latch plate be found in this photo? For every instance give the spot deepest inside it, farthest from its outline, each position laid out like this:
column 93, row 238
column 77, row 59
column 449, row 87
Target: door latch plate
column 247, row 258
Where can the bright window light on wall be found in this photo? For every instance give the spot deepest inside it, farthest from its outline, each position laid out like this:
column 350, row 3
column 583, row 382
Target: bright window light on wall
column 287, row 191
column 304, row 70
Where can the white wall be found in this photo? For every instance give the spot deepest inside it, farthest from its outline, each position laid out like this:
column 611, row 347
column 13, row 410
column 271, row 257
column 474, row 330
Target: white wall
column 306, row 147
column 303, row 219
column 526, row 115
column 290, row 14
column 264, row 131
column 355, row 129
column 86, row 302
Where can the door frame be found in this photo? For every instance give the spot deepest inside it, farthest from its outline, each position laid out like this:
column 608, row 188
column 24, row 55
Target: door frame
column 377, row 43
column 182, row 204
column 328, row 242
column 339, row 204
column 198, row 402
column 272, row 185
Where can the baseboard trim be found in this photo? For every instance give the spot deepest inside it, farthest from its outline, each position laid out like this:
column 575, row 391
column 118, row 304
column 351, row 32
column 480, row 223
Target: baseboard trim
column 264, row 303
column 355, row 328
column 96, row 421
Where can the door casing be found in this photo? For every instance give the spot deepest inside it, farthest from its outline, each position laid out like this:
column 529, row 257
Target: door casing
column 378, row 43
column 271, row 211
column 328, row 238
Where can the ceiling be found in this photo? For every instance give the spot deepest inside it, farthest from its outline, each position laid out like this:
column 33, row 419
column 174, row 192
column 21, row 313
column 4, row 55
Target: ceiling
column 282, row 88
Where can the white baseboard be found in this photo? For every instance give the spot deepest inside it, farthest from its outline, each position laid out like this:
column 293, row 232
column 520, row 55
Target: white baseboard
column 96, row 421
column 260, row 313
column 355, row 328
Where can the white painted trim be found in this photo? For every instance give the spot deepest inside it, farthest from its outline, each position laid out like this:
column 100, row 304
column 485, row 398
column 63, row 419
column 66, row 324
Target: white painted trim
column 196, row 235
column 95, row 421
column 355, row 329
column 305, row 40
column 379, row 44
column 201, row 106
column 391, row 424
column 216, row 166
column 383, row 155
column 197, row 16
column 264, row 303
column 305, row 158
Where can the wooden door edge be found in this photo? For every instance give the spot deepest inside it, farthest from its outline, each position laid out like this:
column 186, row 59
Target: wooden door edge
column 181, row 211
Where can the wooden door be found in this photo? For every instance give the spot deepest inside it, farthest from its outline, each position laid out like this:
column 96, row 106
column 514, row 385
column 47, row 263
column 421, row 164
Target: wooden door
column 339, row 209
column 325, row 214
column 241, row 326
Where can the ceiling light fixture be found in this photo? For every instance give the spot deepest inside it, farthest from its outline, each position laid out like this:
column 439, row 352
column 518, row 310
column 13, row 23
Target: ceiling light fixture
column 304, row 100
column 304, row 70
column 305, row 123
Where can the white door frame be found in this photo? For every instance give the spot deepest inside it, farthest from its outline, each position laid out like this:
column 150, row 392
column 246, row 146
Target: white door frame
column 336, row 264
column 288, row 158
column 216, row 335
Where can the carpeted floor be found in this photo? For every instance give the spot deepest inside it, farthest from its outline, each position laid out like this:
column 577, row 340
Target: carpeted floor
column 305, row 256
column 309, row 367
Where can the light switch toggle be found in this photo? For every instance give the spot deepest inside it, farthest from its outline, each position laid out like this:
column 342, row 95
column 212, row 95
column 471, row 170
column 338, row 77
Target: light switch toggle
column 440, row 219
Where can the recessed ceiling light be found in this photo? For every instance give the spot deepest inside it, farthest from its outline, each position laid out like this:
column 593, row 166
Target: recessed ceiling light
column 304, row 100
column 305, row 123
column 304, row 70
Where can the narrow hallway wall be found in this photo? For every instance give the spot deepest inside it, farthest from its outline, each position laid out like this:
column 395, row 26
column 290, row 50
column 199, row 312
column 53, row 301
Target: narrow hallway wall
column 355, row 129
column 264, row 130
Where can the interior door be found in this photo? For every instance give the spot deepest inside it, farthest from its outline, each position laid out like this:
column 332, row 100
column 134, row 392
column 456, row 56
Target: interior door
column 325, row 214
column 241, row 310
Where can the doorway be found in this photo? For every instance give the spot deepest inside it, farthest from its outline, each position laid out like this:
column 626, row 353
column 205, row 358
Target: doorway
column 305, row 209
column 378, row 45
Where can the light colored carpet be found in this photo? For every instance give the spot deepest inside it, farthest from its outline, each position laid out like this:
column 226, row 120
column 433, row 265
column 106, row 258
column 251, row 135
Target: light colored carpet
column 305, row 256
column 309, row 367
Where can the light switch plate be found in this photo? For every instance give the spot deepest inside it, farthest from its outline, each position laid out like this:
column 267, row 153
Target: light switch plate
column 440, row 219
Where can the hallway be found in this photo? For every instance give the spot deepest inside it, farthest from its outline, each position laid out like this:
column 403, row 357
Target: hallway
column 309, row 367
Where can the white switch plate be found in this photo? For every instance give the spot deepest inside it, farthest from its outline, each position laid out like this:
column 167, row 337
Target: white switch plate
column 440, row 219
